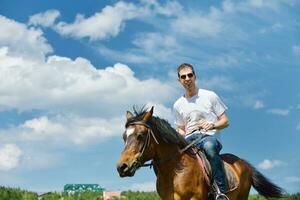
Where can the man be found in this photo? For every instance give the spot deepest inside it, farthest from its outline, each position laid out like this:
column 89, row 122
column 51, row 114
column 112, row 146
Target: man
column 200, row 114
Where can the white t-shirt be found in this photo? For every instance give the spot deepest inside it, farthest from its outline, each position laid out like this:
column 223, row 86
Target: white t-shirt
column 204, row 105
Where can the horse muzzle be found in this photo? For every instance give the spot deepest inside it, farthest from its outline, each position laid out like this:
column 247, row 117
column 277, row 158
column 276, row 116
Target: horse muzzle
column 126, row 169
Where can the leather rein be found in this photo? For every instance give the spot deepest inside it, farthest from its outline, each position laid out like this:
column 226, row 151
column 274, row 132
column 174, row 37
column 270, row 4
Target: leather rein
column 137, row 163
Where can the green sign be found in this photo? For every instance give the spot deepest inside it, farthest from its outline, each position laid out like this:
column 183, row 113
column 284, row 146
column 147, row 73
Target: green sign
column 76, row 188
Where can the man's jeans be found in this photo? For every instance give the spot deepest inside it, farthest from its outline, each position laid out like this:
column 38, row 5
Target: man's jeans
column 211, row 147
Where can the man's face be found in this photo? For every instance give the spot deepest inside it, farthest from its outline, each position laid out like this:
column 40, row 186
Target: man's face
column 187, row 78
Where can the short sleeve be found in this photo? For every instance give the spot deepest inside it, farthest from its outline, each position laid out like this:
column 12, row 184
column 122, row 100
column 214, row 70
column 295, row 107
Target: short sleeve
column 179, row 121
column 217, row 104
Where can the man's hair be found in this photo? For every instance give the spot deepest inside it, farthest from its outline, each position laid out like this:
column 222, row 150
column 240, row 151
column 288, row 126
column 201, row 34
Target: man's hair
column 185, row 65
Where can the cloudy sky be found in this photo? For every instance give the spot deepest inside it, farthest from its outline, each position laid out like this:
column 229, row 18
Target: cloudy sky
column 69, row 70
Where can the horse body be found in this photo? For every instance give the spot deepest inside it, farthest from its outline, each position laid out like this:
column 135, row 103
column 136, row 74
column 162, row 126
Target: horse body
column 179, row 176
column 182, row 178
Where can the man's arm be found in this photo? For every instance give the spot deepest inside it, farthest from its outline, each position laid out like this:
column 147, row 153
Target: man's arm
column 222, row 123
column 180, row 130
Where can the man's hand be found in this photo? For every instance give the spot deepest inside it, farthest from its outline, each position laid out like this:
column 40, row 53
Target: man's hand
column 222, row 122
column 205, row 126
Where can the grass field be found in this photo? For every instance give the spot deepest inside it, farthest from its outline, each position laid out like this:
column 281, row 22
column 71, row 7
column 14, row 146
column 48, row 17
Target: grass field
column 19, row 194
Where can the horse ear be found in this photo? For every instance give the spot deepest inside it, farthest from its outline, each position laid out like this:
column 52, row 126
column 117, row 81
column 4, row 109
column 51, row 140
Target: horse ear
column 129, row 115
column 148, row 115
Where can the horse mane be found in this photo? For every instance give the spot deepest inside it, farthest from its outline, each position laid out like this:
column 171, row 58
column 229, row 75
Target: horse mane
column 160, row 127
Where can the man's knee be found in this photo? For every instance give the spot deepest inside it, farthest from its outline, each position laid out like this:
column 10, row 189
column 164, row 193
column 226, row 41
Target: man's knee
column 211, row 148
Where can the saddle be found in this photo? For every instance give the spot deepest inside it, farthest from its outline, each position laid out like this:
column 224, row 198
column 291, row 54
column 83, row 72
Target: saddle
column 231, row 176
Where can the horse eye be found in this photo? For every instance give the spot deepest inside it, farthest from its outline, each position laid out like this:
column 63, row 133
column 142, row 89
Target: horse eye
column 140, row 136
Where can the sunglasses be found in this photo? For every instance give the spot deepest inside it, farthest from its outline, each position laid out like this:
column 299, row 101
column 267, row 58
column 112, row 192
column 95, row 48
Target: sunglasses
column 190, row 75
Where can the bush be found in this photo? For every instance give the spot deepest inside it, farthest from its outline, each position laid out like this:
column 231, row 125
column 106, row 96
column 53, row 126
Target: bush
column 16, row 194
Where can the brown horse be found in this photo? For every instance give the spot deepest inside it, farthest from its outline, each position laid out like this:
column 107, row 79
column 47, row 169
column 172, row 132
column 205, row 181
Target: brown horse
column 179, row 176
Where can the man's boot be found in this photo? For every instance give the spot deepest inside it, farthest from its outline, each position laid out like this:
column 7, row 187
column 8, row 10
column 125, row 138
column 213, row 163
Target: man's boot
column 220, row 181
column 211, row 196
column 218, row 194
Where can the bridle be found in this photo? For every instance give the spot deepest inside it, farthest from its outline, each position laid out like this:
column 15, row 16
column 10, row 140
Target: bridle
column 137, row 163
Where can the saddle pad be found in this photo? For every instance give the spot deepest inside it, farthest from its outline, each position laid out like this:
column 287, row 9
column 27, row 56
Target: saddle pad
column 231, row 176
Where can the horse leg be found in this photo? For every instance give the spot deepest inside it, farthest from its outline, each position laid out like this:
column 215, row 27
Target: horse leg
column 245, row 183
column 244, row 193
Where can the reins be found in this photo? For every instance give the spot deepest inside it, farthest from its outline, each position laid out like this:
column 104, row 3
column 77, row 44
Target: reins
column 137, row 163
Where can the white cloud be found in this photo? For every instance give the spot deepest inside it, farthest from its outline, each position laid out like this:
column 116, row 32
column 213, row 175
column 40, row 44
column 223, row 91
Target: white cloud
column 74, row 129
column 128, row 56
column 10, row 155
column 148, row 47
column 269, row 164
column 61, row 130
column 216, row 25
column 218, row 82
column 252, row 5
column 292, row 179
column 62, row 84
column 218, row 21
column 40, row 127
column 156, row 42
column 83, row 104
column 258, row 104
column 102, row 25
column 256, row 3
column 152, row 7
column 162, row 112
column 20, row 40
column 273, row 28
column 199, row 25
column 296, row 49
column 37, row 160
column 45, row 18
column 298, row 126
column 107, row 23
column 228, row 6
column 263, row 4
column 145, row 187
column 277, row 111
column 223, row 60
column 274, row 5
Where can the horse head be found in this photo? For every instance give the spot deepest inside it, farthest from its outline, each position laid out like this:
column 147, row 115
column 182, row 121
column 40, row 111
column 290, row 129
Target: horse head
column 139, row 147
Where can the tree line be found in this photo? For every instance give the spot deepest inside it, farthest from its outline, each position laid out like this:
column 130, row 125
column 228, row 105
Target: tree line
column 19, row 194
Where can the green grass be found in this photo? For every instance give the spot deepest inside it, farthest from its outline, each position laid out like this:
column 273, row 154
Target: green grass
column 19, row 194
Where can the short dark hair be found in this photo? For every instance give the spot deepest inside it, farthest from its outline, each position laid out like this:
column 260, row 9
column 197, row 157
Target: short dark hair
column 185, row 65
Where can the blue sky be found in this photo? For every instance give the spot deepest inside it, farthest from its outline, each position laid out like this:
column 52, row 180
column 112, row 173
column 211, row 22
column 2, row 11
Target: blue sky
column 70, row 70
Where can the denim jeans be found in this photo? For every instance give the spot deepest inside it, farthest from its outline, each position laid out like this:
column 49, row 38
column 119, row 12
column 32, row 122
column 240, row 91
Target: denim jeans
column 211, row 148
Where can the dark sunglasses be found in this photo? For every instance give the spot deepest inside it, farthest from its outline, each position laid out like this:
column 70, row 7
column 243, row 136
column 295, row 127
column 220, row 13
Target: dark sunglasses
column 190, row 75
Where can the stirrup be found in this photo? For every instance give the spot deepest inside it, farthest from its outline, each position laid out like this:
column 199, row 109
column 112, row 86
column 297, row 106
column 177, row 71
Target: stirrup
column 218, row 193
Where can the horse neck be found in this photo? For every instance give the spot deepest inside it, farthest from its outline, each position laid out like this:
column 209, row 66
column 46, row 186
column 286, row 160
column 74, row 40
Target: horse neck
column 181, row 168
column 167, row 157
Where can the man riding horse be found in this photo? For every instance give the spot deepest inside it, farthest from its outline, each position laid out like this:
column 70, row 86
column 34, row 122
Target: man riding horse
column 200, row 114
